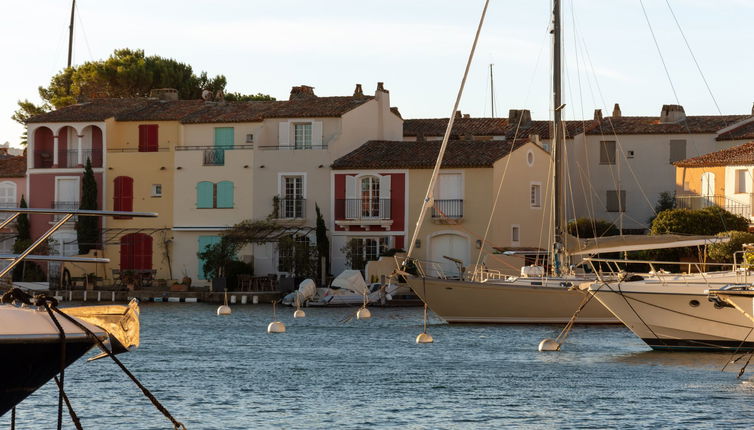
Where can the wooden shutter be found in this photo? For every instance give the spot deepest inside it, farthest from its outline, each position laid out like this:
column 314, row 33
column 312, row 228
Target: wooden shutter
column 384, row 203
column 224, row 136
column 677, row 150
column 607, row 152
column 205, row 241
column 317, row 134
column 284, row 132
column 123, row 197
column 225, row 194
column 204, row 194
column 152, row 144
column 143, row 138
column 352, row 194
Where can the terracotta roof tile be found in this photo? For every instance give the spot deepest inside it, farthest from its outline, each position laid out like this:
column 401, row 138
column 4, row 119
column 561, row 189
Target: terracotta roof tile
column 742, row 155
column 704, row 124
column 486, row 127
column 13, row 167
column 742, row 132
column 382, row 154
column 161, row 110
column 95, row 110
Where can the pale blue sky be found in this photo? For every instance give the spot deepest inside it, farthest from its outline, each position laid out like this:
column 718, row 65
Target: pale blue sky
column 417, row 47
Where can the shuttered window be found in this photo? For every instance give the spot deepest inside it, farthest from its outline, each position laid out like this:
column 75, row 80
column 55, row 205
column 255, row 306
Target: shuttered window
column 210, row 195
column 535, row 196
column 607, row 152
column 123, row 197
column 204, row 242
column 7, row 194
column 136, row 252
column 204, row 195
column 677, row 150
column 224, row 137
column 616, row 201
column 148, row 138
column 224, row 194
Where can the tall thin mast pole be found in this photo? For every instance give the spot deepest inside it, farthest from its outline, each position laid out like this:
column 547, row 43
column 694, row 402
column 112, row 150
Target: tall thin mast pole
column 70, row 34
column 558, row 205
column 492, row 91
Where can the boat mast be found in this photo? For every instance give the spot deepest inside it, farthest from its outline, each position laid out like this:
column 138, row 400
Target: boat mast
column 557, row 150
column 70, row 34
column 492, row 91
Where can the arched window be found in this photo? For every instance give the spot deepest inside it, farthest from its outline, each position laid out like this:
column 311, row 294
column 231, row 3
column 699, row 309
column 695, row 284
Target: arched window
column 7, row 194
column 123, row 197
column 136, row 252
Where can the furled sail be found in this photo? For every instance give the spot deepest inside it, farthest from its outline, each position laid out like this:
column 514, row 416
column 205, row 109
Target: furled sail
column 637, row 242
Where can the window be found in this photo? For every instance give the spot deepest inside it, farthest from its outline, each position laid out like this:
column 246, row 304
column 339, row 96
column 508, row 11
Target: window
column 535, row 199
column 708, row 184
column 616, row 201
column 515, row 233
column 249, row 138
column 677, row 150
column 530, row 158
column 741, row 182
column 364, row 250
column 204, row 242
column 607, row 152
column 223, row 137
column 123, row 197
column 302, row 136
column 448, row 196
column 214, row 196
column 148, row 138
column 370, row 197
column 7, row 194
column 294, row 254
column 136, row 252
column 156, row 190
column 292, row 201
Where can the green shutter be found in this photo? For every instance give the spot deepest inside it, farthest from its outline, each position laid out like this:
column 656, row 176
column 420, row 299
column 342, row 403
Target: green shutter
column 205, row 241
column 204, row 194
column 224, row 136
column 225, row 194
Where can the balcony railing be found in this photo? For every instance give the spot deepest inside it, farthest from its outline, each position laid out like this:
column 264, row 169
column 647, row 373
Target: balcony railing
column 72, row 157
column 447, row 209
column 290, row 207
column 291, row 147
column 64, row 206
column 733, row 206
column 363, row 208
column 214, row 157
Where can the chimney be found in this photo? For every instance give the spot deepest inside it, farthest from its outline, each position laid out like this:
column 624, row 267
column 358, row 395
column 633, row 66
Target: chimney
column 752, row 110
column 598, row 114
column 381, row 87
column 164, row 94
column 616, row 111
column 383, row 110
column 467, row 115
column 358, row 92
column 459, row 114
column 672, row 113
column 518, row 117
column 302, row 92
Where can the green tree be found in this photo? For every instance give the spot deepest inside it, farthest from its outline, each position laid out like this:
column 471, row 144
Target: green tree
column 587, row 227
column 323, row 243
column 665, row 201
column 218, row 257
column 87, row 229
column 723, row 252
column 238, row 97
column 708, row 221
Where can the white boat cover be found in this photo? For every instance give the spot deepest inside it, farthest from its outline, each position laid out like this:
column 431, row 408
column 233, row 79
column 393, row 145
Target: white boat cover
column 637, row 242
column 306, row 290
column 351, row 280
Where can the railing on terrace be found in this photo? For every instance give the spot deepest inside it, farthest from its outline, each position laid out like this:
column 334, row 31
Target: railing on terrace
column 72, row 157
column 205, row 147
column 43, row 160
column 447, row 209
column 214, row 157
column 700, row 202
column 159, row 149
column 289, row 207
column 363, row 208
column 289, row 147
column 65, row 205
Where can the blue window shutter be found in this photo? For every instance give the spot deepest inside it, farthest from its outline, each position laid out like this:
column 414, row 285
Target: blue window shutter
column 204, row 194
column 205, row 241
column 225, row 194
column 224, row 136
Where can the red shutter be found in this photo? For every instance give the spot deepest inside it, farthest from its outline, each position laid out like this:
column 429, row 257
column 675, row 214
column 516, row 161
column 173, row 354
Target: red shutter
column 123, row 197
column 152, row 138
column 143, row 138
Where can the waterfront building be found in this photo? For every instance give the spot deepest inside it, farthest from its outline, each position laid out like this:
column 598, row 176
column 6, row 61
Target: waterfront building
column 12, row 187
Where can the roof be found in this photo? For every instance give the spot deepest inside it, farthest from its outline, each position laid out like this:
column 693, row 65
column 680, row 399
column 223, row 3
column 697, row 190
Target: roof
column 384, row 154
column 13, row 167
column 704, row 124
column 94, row 110
column 463, row 127
column 160, row 110
column 742, row 155
column 742, row 132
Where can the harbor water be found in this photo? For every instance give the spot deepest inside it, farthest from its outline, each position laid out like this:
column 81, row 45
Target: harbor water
column 332, row 371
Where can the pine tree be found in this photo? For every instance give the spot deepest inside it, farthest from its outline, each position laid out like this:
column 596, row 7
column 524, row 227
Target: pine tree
column 87, row 227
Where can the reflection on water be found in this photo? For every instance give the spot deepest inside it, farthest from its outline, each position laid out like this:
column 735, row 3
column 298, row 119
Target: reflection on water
column 227, row 372
column 708, row 360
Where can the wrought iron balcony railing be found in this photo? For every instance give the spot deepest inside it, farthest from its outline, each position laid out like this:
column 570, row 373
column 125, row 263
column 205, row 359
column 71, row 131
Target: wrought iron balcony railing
column 447, row 209
column 363, row 208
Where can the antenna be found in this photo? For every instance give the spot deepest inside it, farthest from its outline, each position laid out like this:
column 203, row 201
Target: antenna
column 492, row 91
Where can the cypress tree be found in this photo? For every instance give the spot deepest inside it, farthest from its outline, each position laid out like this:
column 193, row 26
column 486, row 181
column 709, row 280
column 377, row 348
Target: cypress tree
column 323, row 243
column 87, row 227
column 23, row 239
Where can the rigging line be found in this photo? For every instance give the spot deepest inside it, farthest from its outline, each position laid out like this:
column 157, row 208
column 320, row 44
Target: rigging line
column 696, row 63
column 659, row 52
column 430, row 188
column 83, row 32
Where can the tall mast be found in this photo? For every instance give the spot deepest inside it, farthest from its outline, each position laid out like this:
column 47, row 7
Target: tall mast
column 70, row 34
column 492, row 91
column 557, row 150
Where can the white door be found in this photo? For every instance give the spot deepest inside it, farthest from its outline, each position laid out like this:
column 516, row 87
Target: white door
column 708, row 188
column 448, row 245
column 67, row 191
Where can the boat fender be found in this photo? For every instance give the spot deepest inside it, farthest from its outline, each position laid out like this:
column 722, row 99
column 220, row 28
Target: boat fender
column 65, row 280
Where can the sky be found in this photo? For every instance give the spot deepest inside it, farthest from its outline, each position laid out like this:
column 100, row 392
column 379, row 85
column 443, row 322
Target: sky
column 418, row 48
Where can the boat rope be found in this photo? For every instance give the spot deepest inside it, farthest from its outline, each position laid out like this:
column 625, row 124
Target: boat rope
column 71, row 412
column 424, row 287
column 50, row 303
column 61, row 382
column 569, row 325
column 13, row 419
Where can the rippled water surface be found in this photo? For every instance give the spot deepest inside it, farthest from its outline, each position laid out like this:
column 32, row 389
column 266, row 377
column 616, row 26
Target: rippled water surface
column 228, row 373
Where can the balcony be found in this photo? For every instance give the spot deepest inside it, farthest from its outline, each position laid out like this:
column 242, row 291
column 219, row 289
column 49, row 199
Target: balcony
column 738, row 206
column 447, row 211
column 289, row 209
column 214, row 157
column 63, row 205
column 363, row 213
column 72, row 158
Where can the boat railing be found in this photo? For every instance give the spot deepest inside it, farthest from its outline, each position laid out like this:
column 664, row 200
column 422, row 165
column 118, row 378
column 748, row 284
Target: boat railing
column 436, row 269
column 606, row 267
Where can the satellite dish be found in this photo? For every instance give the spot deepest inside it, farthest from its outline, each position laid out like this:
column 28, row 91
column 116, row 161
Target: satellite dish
column 207, row 95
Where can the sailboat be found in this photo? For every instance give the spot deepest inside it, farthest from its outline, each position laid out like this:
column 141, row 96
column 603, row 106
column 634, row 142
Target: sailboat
column 539, row 295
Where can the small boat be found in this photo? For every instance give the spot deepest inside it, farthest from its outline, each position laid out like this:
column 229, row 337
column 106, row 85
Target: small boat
column 347, row 289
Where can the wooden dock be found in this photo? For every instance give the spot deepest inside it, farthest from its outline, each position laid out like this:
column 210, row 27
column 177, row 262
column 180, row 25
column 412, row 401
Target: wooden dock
column 152, row 295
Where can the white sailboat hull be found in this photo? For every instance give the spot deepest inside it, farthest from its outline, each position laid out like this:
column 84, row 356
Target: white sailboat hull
column 523, row 301
column 677, row 316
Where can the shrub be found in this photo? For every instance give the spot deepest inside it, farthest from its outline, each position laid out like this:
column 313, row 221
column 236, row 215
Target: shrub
column 723, row 252
column 587, row 227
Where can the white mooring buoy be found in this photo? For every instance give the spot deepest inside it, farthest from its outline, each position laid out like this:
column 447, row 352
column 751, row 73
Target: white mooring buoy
column 424, row 338
column 363, row 314
column 224, row 309
column 276, row 327
column 299, row 313
column 549, row 345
